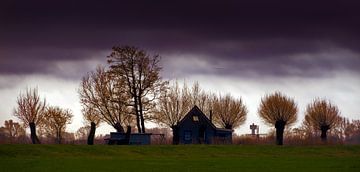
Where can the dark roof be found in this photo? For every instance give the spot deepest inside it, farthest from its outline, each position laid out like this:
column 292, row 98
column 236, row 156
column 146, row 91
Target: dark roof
column 197, row 110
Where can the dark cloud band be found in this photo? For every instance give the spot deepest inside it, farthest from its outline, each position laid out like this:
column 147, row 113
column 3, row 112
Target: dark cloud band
column 277, row 38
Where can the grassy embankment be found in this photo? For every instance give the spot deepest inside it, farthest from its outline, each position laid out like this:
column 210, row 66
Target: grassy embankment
column 179, row 158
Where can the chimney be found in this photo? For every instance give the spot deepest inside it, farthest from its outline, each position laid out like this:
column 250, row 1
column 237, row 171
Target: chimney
column 211, row 116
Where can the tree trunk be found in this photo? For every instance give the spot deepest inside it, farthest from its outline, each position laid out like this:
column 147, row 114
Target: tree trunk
column 324, row 130
column 135, row 95
column 176, row 139
column 58, row 137
column 56, row 140
column 137, row 114
column 128, row 134
column 280, row 126
column 34, row 138
column 119, row 128
column 90, row 140
column 142, row 123
column 141, row 116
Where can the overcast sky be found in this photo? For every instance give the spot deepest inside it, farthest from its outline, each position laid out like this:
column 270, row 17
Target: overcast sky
column 303, row 49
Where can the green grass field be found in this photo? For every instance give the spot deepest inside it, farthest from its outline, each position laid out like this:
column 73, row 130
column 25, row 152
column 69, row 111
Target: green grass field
column 178, row 158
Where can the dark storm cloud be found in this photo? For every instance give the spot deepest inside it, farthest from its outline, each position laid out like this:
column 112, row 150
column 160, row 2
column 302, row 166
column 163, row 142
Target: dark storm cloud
column 65, row 63
column 236, row 37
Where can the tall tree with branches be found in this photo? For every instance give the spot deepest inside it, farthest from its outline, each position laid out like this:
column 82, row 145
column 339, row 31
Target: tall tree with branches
column 107, row 97
column 141, row 73
column 56, row 120
column 172, row 106
column 322, row 115
column 30, row 110
column 229, row 112
column 278, row 110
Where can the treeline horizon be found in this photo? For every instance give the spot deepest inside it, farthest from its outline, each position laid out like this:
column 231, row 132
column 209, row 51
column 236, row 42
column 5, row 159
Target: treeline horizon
column 130, row 91
column 346, row 134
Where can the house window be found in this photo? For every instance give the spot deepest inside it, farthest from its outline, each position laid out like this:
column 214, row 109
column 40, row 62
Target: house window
column 187, row 135
column 195, row 118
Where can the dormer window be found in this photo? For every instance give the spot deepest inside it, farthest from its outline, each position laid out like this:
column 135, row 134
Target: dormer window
column 195, row 118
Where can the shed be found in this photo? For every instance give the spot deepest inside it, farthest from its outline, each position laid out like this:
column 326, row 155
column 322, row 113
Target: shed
column 129, row 139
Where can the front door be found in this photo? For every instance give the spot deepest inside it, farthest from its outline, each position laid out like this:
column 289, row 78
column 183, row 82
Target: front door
column 187, row 137
column 202, row 135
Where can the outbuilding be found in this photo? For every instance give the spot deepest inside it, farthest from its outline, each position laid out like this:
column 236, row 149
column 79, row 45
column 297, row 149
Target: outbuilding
column 197, row 128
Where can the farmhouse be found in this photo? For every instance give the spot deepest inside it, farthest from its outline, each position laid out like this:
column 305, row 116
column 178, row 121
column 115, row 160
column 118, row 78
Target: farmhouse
column 197, row 128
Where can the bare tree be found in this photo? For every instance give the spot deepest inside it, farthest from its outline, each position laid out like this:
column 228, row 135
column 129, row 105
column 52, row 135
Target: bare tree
column 307, row 129
column 229, row 112
column 92, row 116
column 172, row 106
column 200, row 98
column 107, row 98
column 140, row 72
column 30, row 110
column 278, row 110
column 322, row 115
column 352, row 132
column 83, row 133
column 341, row 128
column 13, row 130
column 56, row 120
